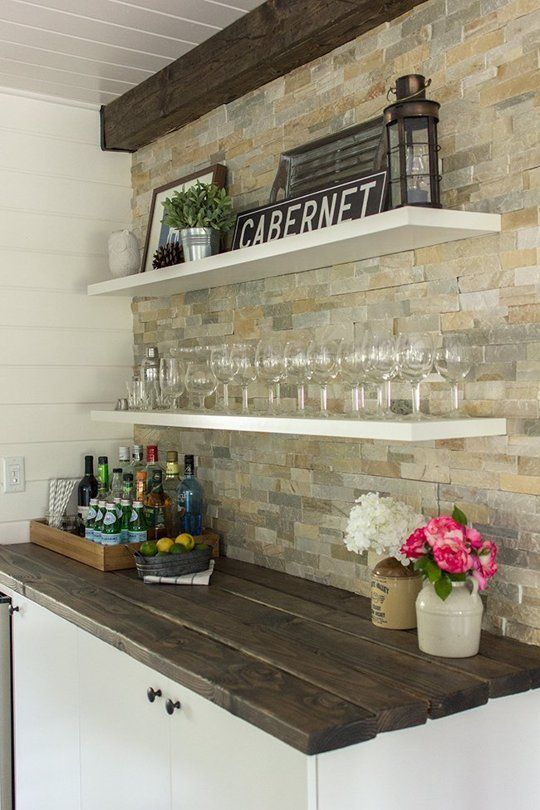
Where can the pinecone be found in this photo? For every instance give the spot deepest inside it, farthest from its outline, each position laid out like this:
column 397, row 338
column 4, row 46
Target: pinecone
column 167, row 254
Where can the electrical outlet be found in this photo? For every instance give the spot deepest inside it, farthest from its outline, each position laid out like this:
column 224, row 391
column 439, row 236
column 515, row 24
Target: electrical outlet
column 14, row 479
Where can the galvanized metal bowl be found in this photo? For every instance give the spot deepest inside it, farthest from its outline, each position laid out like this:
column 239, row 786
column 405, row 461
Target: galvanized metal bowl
column 173, row 565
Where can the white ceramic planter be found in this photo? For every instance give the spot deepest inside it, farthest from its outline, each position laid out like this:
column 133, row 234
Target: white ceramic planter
column 450, row 628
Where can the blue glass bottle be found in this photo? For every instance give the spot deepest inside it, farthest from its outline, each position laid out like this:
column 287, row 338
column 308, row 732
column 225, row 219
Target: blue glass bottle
column 190, row 501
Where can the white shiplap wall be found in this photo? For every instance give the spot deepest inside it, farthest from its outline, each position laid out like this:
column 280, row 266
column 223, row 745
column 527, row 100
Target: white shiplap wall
column 61, row 353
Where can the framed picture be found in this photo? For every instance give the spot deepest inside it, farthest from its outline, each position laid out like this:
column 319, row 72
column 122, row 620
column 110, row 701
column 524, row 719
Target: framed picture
column 158, row 233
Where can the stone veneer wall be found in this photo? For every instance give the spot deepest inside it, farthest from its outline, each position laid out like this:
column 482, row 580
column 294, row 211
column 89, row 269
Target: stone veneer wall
column 283, row 501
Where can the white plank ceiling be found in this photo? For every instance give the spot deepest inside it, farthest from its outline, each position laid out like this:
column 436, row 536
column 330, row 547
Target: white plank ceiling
column 92, row 51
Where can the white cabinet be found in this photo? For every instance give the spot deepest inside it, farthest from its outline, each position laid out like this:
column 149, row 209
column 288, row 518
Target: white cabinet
column 220, row 762
column 125, row 762
column 45, row 709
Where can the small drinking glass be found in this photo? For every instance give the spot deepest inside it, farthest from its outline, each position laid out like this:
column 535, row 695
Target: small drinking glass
column 270, row 364
column 200, row 381
column 354, row 370
column 382, row 367
column 324, row 358
column 298, row 369
column 223, row 364
column 415, row 361
column 454, row 361
column 170, row 381
column 135, row 394
column 244, row 358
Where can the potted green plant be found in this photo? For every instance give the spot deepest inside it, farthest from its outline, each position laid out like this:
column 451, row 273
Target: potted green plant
column 201, row 213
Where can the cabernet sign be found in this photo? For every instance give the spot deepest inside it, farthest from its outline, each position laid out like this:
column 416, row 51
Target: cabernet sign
column 354, row 199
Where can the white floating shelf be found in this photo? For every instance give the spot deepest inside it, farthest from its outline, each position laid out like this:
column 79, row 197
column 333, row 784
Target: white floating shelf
column 400, row 431
column 378, row 235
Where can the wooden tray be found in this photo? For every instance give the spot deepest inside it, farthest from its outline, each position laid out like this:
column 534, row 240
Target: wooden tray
column 104, row 558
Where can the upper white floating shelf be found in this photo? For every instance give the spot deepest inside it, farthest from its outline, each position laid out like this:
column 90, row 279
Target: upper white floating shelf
column 378, row 235
column 386, row 429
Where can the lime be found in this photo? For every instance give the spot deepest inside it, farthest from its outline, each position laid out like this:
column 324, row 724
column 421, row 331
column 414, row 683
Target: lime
column 148, row 548
column 178, row 549
column 162, row 554
column 202, row 546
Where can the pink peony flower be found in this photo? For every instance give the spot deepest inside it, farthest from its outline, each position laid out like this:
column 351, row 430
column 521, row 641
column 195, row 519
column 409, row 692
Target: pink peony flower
column 451, row 554
column 478, row 574
column 487, row 557
column 443, row 528
column 474, row 537
column 416, row 545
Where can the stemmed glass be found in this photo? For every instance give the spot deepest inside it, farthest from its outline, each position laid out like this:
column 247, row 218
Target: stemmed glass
column 415, row 361
column 324, row 358
column 453, row 361
column 354, row 370
column 224, row 365
column 200, row 380
column 270, row 364
column 298, row 369
column 381, row 367
column 170, row 381
column 244, row 358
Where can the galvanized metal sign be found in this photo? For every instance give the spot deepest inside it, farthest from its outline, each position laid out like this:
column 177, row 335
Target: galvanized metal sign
column 354, row 199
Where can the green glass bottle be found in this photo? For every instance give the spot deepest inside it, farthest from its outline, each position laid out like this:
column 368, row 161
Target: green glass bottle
column 103, row 476
column 110, row 533
column 137, row 524
column 91, row 519
column 98, row 525
column 126, row 516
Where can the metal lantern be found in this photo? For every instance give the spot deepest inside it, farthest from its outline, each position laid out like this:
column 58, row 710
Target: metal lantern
column 412, row 149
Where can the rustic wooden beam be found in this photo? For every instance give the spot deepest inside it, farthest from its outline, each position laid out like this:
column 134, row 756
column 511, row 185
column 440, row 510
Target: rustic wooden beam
column 270, row 41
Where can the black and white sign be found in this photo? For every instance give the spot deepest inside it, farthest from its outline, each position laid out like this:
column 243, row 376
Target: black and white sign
column 354, row 199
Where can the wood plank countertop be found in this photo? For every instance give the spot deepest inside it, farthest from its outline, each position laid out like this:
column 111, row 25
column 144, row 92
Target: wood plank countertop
column 300, row 660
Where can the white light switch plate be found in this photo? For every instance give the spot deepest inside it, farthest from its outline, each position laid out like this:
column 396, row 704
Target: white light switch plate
column 14, row 478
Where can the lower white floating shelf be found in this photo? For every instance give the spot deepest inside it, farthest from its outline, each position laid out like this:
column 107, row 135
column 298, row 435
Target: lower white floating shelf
column 389, row 430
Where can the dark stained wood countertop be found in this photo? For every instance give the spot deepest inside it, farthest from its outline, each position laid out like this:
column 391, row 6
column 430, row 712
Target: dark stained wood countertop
column 301, row 661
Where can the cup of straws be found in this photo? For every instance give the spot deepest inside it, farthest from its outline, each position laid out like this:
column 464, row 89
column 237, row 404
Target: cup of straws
column 60, row 492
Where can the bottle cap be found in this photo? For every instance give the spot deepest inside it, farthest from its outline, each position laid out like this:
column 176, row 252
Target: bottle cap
column 103, row 460
column 128, row 476
column 137, row 504
column 117, row 470
column 101, row 503
column 124, row 502
column 141, row 475
column 189, row 464
column 93, row 501
column 152, row 352
column 172, row 456
column 110, row 505
column 88, row 459
column 152, row 453
column 136, row 448
column 123, row 453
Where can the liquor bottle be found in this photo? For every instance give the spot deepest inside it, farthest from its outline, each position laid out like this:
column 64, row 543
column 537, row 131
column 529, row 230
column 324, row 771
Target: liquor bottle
column 150, row 376
column 140, row 485
column 170, row 487
column 127, row 486
column 157, row 508
column 98, row 524
column 91, row 519
column 152, row 462
column 88, row 487
column 137, row 459
column 103, row 477
column 124, row 459
column 190, row 500
column 137, row 524
column 110, row 532
column 126, row 515
column 116, row 483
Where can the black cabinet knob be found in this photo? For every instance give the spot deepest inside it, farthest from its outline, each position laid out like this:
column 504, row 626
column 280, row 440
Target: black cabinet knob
column 13, row 609
column 170, row 706
column 152, row 694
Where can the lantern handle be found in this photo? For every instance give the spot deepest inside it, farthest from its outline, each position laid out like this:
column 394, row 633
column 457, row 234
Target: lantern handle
column 392, row 90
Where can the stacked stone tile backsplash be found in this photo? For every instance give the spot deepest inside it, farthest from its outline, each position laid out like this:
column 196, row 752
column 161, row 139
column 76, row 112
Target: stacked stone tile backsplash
column 283, row 501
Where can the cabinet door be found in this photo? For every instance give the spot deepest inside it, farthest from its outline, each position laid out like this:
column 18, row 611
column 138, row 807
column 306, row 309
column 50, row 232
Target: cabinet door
column 45, row 709
column 124, row 737
column 219, row 762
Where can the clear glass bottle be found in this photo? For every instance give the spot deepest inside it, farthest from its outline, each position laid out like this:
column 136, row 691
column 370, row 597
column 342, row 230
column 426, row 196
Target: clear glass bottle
column 116, row 483
column 157, row 508
column 190, row 500
column 137, row 459
column 128, row 487
column 150, row 376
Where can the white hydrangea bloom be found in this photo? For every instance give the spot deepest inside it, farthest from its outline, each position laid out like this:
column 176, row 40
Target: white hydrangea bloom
column 381, row 525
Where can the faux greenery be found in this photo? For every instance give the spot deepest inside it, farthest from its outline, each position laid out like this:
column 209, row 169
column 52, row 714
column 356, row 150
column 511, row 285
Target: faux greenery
column 203, row 205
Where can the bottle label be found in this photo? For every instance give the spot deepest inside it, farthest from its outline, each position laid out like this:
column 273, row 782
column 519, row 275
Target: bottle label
column 111, row 539
column 89, row 533
column 96, row 536
column 136, row 536
column 91, row 513
column 124, row 535
column 134, row 516
column 110, row 518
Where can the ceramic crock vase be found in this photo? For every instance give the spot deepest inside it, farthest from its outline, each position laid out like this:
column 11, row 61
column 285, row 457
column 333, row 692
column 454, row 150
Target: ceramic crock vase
column 450, row 628
column 394, row 588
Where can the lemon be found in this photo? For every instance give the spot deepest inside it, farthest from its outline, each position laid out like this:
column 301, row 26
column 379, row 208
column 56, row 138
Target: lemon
column 165, row 544
column 148, row 548
column 185, row 540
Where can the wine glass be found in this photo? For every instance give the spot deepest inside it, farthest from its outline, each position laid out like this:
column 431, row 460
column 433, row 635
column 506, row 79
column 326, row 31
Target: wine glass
column 244, row 358
column 270, row 364
column 298, row 369
column 324, row 358
column 170, row 381
column 225, row 368
column 382, row 367
column 354, row 370
column 454, row 361
column 415, row 360
column 200, row 381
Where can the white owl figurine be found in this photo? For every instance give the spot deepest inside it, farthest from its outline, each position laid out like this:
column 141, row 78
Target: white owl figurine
column 124, row 254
